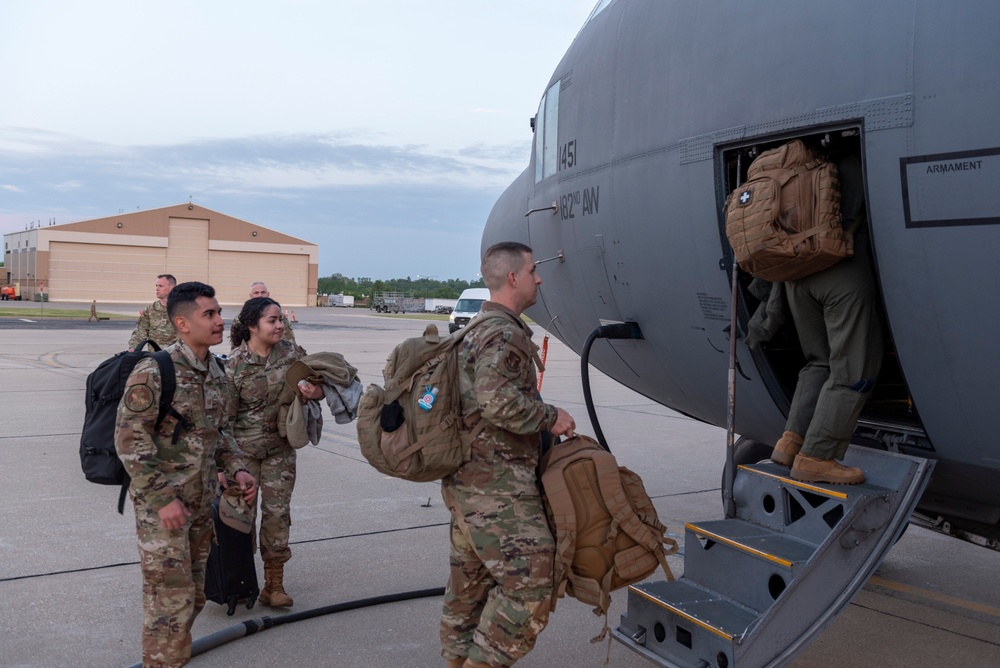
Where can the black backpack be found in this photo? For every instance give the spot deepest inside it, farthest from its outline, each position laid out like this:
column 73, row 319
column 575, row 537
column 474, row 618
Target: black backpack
column 105, row 387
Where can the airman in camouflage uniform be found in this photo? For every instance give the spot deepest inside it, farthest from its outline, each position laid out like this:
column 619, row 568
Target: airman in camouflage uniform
column 502, row 551
column 258, row 289
column 256, row 374
column 153, row 323
column 255, row 384
column 173, row 484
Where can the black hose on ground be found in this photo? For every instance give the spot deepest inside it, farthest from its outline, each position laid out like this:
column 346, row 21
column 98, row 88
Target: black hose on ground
column 251, row 626
column 622, row 330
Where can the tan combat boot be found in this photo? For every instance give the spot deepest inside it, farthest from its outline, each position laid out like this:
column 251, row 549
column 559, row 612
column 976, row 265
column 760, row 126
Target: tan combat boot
column 455, row 663
column 811, row 469
column 273, row 593
column 469, row 663
column 786, row 448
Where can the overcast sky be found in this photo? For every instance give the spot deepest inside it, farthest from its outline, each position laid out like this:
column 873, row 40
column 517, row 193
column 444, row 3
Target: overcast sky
column 383, row 130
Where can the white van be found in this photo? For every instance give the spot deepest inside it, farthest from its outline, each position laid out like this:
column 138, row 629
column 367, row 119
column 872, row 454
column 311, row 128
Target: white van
column 469, row 303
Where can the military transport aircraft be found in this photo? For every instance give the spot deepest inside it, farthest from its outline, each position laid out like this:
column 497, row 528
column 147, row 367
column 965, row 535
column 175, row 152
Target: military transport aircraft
column 648, row 123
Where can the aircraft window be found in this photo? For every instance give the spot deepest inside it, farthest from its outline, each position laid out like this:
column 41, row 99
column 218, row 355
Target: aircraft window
column 551, row 134
column 597, row 10
column 540, row 140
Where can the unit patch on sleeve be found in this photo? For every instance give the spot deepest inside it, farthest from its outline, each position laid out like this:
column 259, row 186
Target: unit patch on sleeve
column 138, row 398
column 513, row 363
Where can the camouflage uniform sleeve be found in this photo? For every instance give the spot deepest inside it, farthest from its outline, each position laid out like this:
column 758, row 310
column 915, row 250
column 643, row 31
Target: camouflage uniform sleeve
column 505, row 387
column 289, row 335
column 141, row 331
column 134, row 435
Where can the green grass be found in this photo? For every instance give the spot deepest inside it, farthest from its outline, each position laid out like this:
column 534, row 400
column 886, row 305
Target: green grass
column 65, row 314
column 414, row 316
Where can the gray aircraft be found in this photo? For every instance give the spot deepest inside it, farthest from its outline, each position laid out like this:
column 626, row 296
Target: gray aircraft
column 648, row 123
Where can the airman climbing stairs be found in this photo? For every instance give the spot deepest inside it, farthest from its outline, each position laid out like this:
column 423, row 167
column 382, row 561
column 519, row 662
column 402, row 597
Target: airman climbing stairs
column 757, row 587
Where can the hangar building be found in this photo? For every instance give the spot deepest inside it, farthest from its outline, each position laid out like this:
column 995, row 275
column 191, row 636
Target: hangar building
column 116, row 259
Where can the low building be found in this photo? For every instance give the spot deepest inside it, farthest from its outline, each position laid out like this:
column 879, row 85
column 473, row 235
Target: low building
column 117, row 259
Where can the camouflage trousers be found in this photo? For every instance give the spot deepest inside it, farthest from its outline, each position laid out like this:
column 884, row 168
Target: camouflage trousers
column 275, row 476
column 841, row 336
column 500, row 586
column 172, row 562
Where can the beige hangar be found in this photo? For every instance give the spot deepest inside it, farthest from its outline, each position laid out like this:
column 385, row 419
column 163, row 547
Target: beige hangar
column 116, row 259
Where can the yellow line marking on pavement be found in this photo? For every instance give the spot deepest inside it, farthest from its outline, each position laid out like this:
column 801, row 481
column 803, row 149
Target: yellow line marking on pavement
column 936, row 596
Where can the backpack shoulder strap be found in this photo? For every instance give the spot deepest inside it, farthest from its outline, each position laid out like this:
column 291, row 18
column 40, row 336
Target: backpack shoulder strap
column 168, row 385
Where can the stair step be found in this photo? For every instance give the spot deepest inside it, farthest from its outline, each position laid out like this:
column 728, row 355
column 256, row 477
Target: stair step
column 697, row 606
column 742, row 561
column 754, row 540
column 767, row 496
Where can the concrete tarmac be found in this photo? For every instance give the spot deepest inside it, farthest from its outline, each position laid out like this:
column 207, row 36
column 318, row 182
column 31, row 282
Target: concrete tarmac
column 70, row 584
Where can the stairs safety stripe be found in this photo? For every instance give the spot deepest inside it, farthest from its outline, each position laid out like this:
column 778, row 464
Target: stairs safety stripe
column 739, row 546
column 681, row 613
column 796, row 483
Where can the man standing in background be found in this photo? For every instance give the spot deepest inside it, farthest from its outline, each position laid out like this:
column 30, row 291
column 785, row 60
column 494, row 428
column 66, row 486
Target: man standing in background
column 154, row 323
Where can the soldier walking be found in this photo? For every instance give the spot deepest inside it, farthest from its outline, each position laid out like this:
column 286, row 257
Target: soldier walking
column 93, row 311
column 502, row 552
column 173, row 480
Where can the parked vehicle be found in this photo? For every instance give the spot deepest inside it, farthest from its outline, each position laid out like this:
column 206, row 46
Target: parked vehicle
column 469, row 303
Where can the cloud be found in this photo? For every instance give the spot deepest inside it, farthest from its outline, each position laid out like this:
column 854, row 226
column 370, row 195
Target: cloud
column 11, row 188
column 375, row 209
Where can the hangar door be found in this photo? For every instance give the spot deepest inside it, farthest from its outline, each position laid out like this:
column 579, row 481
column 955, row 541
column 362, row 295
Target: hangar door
column 232, row 272
column 82, row 271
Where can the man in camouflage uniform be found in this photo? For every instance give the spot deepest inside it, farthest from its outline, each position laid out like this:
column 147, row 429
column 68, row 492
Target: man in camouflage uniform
column 502, row 551
column 173, row 484
column 153, row 323
column 258, row 289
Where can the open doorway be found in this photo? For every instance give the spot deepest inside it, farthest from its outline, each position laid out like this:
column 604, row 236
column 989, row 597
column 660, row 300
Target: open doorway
column 779, row 360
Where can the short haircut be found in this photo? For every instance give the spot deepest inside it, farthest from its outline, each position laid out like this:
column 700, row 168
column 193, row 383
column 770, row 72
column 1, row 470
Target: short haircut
column 250, row 314
column 184, row 297
column 170, row 279
column 258, row 283
column 500, row 260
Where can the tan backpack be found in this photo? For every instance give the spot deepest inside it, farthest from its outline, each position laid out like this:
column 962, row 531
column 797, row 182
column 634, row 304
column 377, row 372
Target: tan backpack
column 784, row 223
column 607, row 532
column 402, row 432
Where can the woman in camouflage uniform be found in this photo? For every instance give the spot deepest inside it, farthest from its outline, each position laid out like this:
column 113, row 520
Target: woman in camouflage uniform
column 256, row 374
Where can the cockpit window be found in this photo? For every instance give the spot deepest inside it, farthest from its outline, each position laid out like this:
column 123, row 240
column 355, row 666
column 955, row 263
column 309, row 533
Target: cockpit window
column 547, row 134
column 597, row 10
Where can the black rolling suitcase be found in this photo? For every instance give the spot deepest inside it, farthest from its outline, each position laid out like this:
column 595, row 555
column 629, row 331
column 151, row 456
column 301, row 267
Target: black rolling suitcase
column 231, row 575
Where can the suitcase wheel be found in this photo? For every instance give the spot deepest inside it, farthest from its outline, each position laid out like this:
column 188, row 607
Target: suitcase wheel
column 251, row 601
column 232, row 606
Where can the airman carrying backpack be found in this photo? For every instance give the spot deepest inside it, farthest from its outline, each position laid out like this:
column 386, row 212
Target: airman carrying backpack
column 785, row 223
column 606, row 528
column 413, row 427
column 105, row 387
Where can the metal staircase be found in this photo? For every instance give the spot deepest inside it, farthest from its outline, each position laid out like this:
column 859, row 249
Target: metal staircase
column 759, row 586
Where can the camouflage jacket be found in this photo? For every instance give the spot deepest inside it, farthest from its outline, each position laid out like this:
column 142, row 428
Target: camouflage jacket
column 497, row 377
column 255, row 384
column 153, row 324
column 289, row 335
column 161, row 470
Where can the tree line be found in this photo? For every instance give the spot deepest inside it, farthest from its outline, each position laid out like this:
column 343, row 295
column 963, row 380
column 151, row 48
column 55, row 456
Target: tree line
column 363, row 287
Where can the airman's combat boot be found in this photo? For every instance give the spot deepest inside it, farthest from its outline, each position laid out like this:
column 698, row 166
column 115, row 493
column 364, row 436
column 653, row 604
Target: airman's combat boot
column 455, row 663
column 786, row 448
column 811, row 469
column 469, row 663
column 273, row 593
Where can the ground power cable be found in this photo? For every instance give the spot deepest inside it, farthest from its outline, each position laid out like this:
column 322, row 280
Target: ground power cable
column 252, row 626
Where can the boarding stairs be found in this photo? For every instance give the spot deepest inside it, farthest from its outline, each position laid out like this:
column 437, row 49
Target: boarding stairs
column 758, row 586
